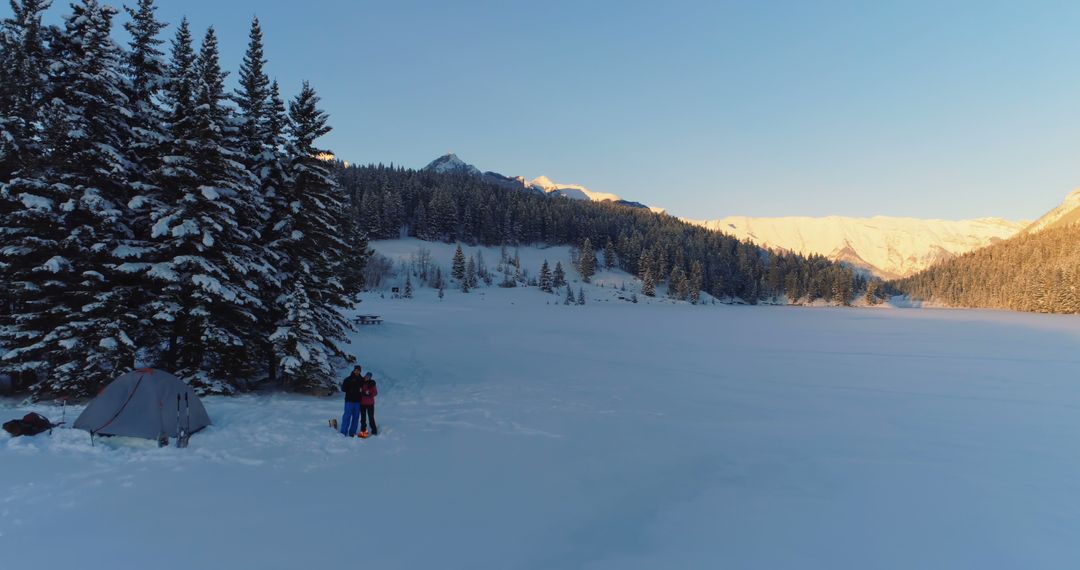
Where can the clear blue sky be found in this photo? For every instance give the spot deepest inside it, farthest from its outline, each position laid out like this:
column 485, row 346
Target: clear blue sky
column 928, row 109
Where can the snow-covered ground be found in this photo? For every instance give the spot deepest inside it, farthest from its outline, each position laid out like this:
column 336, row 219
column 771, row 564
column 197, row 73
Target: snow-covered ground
column 521, row 433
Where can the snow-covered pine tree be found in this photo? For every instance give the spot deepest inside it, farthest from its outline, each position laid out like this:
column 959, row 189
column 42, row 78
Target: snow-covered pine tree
column 207, row 231
column 421, row 228
column 408, row 287
column 261, row 121
column 581, row 295
column 696, row 281
column 90, row 336
column 173, row 180
column 609, row 255
column 458, row 267
column 482, row 268
column 648, row 284
column 356, row 255
column 30, row 216
column 645, row 263
column 587, row 261
column 253, row 100
column 871, row 293
column 146, row 78
column 23, row 76
column 677, row 284
column 569, row 300
column 437, row 280
column 471, row 275
column 558, row 278
column 545, row 278
column 660, row 265
column 315, row 252
column 371, row 213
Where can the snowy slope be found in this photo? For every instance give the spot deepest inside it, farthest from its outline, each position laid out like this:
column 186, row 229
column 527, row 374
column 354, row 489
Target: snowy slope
column 520, row 434
column 1066, row 214
column 606, row 285
column 572, row 191
column 887, row 246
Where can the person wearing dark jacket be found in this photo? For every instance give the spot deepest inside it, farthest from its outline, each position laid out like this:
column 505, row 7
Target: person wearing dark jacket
column 352, row 387
column 368, row 391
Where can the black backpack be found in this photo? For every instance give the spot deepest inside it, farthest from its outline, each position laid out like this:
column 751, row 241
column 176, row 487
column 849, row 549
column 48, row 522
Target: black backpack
column 30, row 424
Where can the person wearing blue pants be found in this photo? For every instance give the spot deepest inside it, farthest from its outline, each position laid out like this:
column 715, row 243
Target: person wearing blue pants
column 353, row 388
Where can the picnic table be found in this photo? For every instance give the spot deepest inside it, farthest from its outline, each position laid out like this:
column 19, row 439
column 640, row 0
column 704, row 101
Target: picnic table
column 368, row 320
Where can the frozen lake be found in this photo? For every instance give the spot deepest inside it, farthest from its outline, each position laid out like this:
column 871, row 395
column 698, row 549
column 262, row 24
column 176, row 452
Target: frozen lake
column 519, row 434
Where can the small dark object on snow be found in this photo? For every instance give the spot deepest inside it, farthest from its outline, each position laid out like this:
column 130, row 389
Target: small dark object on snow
column 368, row 320
column 30, row 424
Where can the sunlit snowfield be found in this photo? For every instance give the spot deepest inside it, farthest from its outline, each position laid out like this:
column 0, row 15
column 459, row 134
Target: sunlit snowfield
column 524, row 435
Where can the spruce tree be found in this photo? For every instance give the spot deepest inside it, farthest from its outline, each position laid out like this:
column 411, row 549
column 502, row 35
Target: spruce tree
column 174, row 182
column 87, row 335
column 678, row 284
column 149, row 144
column 545, row 278
column 581, row 296
column 31, row 219
column 609, row 255
column 569, row 300
column 458, row 268
column 471, row 274
column 645, row 263
column 696, row 282
column 208, row 232
column 317, row 254
column 587, row 262
column 23, row 86
column 408, row 287
column 558, row 279
column 648, row 284
column 253, row 100
column 260, row 138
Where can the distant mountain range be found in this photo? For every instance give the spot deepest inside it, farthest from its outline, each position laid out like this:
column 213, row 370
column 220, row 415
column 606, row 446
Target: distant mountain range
column 889, row 247
column 450, row 164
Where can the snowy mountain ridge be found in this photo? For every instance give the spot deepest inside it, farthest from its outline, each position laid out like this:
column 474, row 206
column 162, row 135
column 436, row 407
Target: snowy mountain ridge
column 572, row 191
column 451, row 164
column 888, row 247
column 1065, row 214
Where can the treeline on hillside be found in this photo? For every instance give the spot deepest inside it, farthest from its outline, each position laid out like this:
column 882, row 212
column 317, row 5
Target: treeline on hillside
column 1032, row 272
column 149, row 216
column 659, row 248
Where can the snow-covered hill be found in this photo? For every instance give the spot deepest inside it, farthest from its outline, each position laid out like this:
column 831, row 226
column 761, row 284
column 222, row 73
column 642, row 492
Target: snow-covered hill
column 886, row 246
column 1066, row 214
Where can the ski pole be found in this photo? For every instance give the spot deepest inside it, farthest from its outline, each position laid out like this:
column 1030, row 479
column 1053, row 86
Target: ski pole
column 178, row 420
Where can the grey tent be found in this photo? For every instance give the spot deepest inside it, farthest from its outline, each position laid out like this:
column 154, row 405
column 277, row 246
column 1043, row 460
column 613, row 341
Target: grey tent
column 142, row 403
